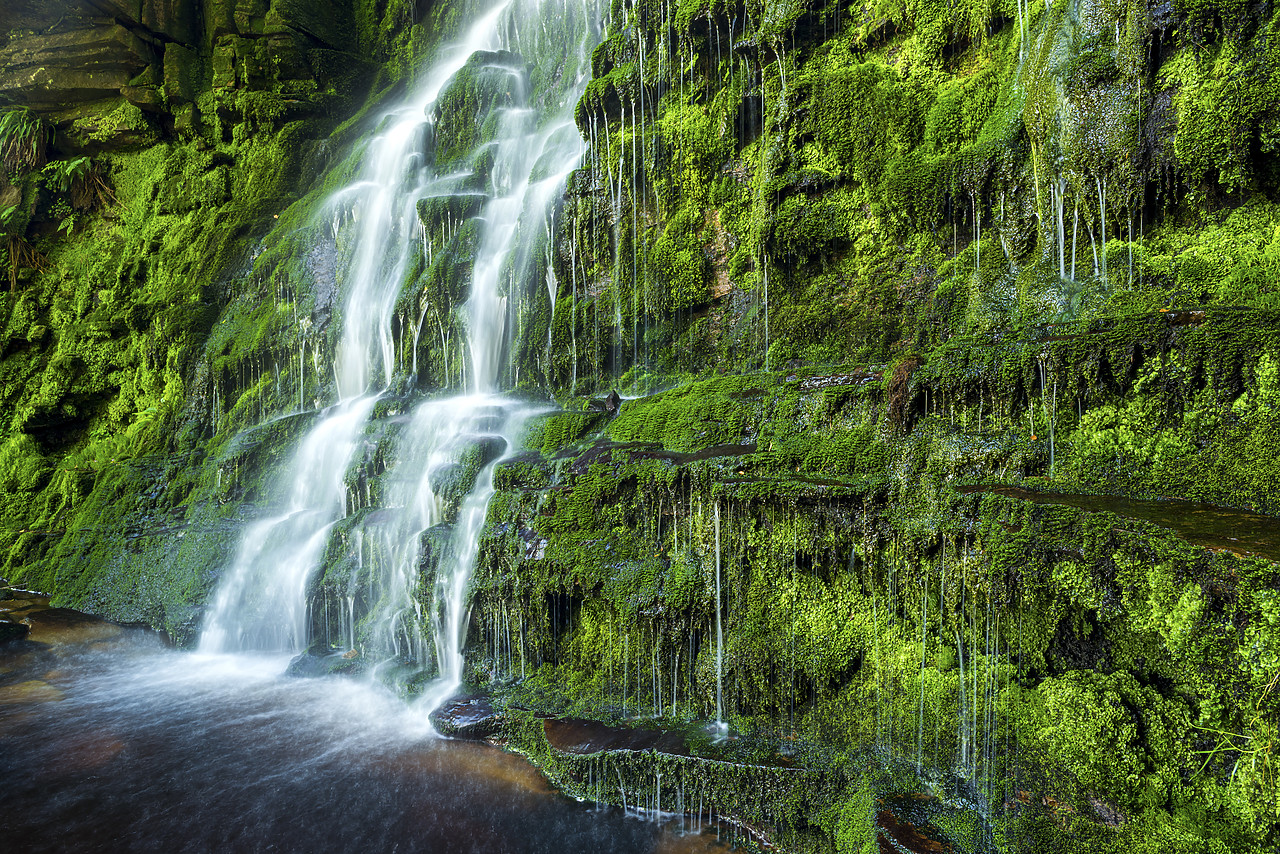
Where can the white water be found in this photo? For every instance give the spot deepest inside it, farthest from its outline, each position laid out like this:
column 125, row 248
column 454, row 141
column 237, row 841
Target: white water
column 261, row 603
column 263, row 598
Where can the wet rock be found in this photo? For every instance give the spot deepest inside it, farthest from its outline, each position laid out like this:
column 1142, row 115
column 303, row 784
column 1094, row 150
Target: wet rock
column 443, row 211
column 489, row 448
column 13, row 631
column 467, row 717
column 1206, row 525
column 326, row 21
column 489, row 80
column 31, row 691
column 65, row 626
column 310, row 665
column 609, row 404
column 572, row 735
column 145, row 98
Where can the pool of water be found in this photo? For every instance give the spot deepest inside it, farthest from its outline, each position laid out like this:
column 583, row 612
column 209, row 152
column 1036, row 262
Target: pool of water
column 109, row 741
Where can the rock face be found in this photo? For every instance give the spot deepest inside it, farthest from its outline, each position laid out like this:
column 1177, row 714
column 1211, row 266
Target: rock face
column 78, row 66
column 171, row 20
column 53, row 71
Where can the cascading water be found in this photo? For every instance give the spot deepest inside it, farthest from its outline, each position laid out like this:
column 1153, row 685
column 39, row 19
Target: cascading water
column 439, row 461
column 261, row 604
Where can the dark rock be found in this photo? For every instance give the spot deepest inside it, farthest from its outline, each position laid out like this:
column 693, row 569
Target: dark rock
column 489, row 448
column 65, row 626
column 312, row 664
column 609, row 404
column 572, row 735
column 901, row 835
column 182, row 70
column 13, row 631
column 326, row 21
column 467, row 717
column 145, row 98
column 226, row 17
column 177, row 19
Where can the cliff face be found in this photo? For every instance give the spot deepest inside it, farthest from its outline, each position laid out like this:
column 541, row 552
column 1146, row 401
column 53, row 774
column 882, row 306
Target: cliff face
column 148, row 149
column 937, row 297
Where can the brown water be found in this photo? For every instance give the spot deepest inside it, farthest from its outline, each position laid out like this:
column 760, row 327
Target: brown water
column 1207, row 525
column 110, row 742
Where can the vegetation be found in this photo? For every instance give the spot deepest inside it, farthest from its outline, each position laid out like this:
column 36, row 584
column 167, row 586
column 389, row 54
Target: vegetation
column 914, row 300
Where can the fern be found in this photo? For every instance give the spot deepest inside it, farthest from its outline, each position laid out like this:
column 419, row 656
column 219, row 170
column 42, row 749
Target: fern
column 23, row 138
column 82, row 179
column 59, row 175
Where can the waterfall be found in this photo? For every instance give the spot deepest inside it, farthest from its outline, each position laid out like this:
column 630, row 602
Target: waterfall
column 426, row 518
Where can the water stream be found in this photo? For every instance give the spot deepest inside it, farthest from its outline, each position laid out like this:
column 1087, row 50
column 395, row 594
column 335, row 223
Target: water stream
column 111, row 742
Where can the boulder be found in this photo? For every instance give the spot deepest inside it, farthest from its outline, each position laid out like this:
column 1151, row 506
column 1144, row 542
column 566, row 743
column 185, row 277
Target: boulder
column 466, row 717
column 65, row 626
column 13, row 631
column 235, row 17
column 145, row 98
column 489, row 80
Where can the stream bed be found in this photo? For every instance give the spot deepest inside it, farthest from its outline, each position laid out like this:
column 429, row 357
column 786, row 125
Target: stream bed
column 110, row 741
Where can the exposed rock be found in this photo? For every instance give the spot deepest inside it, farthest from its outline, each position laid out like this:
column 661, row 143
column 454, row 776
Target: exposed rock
column 63, row 625
column 311, row 664
column 178, row 20
column 325, row 21
column 13, row 631
column 50, row 70
column 467, row 717
column 31, row 691
column 896, row 834
column 182, row 69
column 145, row 98
column 609, row 404
column 572, row 735
column 235, row 16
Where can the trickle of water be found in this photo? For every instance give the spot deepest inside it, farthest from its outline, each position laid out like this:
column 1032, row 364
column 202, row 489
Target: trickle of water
column 719, row 631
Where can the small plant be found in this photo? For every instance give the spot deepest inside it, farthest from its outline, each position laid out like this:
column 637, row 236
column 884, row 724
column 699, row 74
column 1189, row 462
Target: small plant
column 23, row 138
column 21, row 254
column 82, row 179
